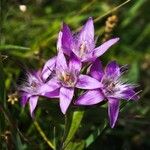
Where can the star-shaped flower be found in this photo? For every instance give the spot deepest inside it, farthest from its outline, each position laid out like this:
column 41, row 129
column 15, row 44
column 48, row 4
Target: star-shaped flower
column 82, row 44
column 113, row 89
column 36, row 85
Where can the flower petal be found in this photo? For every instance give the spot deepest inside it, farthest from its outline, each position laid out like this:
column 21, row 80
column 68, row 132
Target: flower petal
column 32, row 103
column 96, row 70
column 48, row 68
column 113, row 110
column 53, row 94
column 49, row 86
column 61, row 63
column 83, row 42
column 25, row 97
column 104, row 47
column 66, row 95
column 90, row 98
column 129, row 94
column 88, row 58
column 87, row 33
column 113, row 69
column 75, row 63
column 87, row 82
column 67, row 40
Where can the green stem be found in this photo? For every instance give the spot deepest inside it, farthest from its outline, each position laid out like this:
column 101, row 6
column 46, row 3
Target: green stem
column 43, row 135
column 111, row 11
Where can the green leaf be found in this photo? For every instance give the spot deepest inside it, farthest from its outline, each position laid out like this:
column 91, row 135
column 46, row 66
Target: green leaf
column 75, row 145
column 98, row 131
column 18, row 144
column 73, row 123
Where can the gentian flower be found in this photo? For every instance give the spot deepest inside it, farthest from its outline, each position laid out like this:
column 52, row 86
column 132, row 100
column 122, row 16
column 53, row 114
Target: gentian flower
column 67, row 77
column 35, row 85
column 113, row 89
column 82, row 44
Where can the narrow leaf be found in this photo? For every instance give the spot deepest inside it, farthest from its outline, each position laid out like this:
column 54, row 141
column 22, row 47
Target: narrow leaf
column 97, row 132
column 74, row 125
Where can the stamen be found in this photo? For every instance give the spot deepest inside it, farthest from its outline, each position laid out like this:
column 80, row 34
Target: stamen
column 109, row 86
column 82, row 49
column 67, row 79
column 34, row 84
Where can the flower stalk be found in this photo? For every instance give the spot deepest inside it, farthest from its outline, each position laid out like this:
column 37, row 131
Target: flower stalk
column 43, row 135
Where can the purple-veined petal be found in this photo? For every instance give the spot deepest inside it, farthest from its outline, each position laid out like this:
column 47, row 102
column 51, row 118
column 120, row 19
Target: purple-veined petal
column 96, row 70
column 49, row 86
column 32, row 103
column 48, row 68
column 104, row 47
column 88, row 58
column 87, row 82
column 66, row 95
column 53, row 94
column 24, row 98
column 112, row 69
column 87, row 33
column 67, row 40
column 75, row 63
column 61, row 63
column 130, row 94
column 90, row 98
column 113, row 110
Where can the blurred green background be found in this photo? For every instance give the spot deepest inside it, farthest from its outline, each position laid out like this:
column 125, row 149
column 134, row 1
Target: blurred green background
column 28, row 35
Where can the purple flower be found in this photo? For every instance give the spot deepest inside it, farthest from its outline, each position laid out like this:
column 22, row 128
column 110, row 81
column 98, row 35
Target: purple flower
column 113, row 89
column 82, row 44
column 67, row 77
column 35, row 85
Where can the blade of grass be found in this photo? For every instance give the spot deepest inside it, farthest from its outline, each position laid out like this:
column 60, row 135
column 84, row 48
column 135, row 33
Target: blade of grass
column 12, row 47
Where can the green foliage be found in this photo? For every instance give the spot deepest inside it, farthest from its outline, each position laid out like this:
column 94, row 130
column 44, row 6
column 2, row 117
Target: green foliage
column 28, row 39
column 71, row 129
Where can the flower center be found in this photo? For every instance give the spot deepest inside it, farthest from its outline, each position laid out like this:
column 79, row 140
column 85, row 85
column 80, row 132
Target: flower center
column 68, row 79
column 34, row 85
column 109, row 86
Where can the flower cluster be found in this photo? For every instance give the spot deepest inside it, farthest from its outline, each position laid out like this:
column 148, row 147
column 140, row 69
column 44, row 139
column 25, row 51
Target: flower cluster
column 77, row 66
